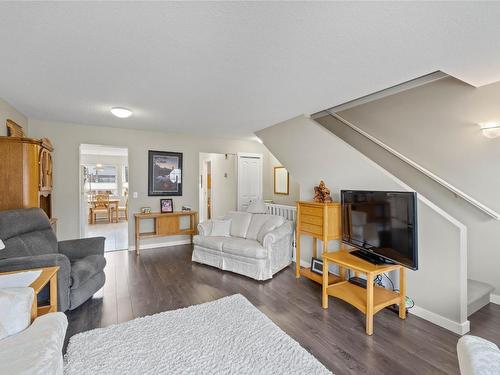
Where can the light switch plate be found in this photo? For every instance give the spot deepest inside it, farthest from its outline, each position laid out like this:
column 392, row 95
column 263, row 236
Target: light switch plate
column 135, row 195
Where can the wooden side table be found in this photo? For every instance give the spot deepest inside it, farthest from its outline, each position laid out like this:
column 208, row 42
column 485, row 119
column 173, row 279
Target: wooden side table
column 48, row 276
column 370, row 300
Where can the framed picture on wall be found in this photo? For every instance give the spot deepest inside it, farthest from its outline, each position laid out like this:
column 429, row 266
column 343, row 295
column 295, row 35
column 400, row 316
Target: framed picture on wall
column 166, row 205
column 164, row 173
column 281, row 181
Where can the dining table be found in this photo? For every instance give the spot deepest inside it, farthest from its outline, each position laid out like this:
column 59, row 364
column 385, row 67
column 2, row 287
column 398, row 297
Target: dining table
column 113, row 204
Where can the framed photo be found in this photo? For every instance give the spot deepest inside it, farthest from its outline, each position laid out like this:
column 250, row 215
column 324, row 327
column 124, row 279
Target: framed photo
column 166, row 205
column 165, row 173
column 281, row 181
column 317, row 266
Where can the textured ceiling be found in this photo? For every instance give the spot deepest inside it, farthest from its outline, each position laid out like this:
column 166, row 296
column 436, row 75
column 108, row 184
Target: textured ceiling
column 230, row 68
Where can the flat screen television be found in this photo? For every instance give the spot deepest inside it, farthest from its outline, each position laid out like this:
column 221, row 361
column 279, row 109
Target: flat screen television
column 382, row 224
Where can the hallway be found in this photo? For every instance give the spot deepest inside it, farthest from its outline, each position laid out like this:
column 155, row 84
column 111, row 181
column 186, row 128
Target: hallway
column 116, row 234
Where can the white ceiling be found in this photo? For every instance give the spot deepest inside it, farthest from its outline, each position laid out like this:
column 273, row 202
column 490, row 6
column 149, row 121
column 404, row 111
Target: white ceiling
column 230, row 68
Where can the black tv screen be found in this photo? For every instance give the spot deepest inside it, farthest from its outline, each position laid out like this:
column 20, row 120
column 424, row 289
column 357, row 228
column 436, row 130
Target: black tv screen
column 383, row 223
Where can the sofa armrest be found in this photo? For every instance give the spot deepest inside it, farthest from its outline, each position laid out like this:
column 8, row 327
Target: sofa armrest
column 41, row 345
column 76, row 249
column 286, row 229
column 476, row 354
column 36, row 261
column 205, row 228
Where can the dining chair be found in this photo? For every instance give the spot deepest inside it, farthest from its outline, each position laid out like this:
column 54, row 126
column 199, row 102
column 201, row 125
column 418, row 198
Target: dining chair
column 100, row 204
column 123, row 209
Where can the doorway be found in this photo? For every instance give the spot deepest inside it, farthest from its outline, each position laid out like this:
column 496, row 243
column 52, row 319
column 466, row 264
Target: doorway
column 250, row 179
column 104, row 188
column 217, row 186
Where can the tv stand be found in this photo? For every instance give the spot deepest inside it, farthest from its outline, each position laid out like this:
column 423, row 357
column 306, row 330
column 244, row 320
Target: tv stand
column 369, row 257
column 370, row 300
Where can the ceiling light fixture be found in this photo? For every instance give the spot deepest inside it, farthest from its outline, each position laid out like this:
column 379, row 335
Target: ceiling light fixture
column 121, row 112
column 490, row 129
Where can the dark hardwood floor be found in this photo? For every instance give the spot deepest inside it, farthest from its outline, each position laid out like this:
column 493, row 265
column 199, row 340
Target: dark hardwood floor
column 166, row 279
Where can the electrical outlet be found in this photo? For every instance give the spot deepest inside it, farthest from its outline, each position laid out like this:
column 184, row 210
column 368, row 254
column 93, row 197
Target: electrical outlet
column 135, row 195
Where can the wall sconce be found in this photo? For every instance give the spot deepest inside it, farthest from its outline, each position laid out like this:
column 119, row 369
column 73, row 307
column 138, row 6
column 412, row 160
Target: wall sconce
column 490, row 129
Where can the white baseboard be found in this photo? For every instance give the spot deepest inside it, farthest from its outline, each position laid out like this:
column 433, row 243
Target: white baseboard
column 304, row 264
column 162, row 244
column 458, row 328
column 495, row 298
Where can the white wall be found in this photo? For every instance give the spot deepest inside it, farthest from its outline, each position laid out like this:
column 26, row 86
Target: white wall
column 312, row 153
column 435, row 125
column 8, row 112
column 67, row 138
column 294, row 187
column 104, row 159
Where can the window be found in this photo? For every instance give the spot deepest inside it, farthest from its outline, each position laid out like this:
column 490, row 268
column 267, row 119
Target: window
column 125, row 180
column 101, row 179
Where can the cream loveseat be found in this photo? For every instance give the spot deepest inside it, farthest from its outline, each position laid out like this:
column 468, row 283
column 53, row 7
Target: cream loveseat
column 255, row 244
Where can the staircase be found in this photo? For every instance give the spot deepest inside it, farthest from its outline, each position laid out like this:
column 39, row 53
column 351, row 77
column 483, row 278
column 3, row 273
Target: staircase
column 478, row 295
column 313, row 152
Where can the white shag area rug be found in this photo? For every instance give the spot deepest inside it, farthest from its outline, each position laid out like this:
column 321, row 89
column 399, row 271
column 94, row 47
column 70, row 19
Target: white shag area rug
column 227, row 336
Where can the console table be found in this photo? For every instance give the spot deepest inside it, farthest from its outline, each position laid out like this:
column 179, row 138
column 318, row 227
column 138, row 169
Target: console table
column 165, row 224
column 370, row 300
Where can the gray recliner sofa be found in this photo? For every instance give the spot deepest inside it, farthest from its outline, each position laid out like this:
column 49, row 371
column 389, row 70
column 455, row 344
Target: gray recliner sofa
column 30, row 243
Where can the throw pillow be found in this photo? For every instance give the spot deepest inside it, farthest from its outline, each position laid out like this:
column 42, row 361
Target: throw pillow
column 15, row 309
column 220, row 228
column 257, row 207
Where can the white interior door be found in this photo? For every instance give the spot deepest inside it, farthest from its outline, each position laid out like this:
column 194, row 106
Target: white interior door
column 249, row 179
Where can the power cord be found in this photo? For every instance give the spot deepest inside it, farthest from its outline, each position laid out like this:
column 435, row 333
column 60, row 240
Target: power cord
column 379, row 281
column 408, row 300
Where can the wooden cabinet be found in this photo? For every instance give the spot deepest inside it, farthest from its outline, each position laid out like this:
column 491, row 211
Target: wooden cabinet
column 321, row 221
column 26, row 174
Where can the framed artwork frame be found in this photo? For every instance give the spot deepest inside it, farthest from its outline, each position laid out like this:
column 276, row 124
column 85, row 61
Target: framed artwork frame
column 281, row 181
column 166, row 205
column 317, row 266
column 164, row 173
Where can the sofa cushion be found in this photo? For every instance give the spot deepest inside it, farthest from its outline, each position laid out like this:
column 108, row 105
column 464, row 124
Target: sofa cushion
column 220, row 228
column 21, row 221
column 34, row 243
column 243, row 247
column 210, row 242
column 239, row 223
column 271, row 223
column 84, row 268
column 257, row 207
column 258, row 220
column 15, row 309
